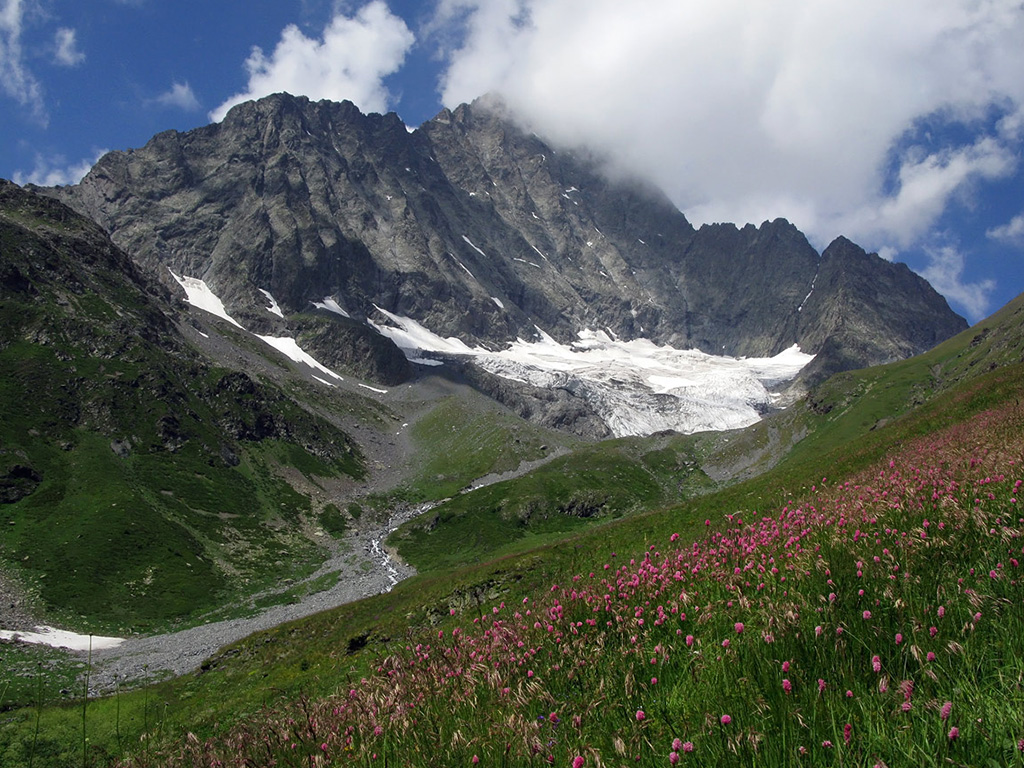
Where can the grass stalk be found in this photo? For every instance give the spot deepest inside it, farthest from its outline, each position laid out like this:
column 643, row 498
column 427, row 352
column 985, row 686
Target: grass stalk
column 85, row 705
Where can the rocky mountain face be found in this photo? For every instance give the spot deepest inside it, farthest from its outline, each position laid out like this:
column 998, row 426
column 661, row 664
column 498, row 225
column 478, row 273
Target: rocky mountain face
column 480, row 230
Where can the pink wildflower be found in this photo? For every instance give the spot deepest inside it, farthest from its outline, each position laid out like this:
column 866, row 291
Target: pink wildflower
column 867, row 615
column 785, row 666
column 677, row 744
column 847, row 732
column 954, row 733
column 726, row 719
column 577, row 762
column 475, row 760
column 688, row 746
column 640, row 715
column 787, row 686
column 899, row 638
column 941, row 611
column 739, row 627
column 689, row 640
column 673, row 758
column 876, row 664
column 821, row 685
column 947, row 708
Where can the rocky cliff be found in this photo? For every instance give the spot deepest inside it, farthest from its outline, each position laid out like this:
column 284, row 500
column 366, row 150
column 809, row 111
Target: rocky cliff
column 481, row 230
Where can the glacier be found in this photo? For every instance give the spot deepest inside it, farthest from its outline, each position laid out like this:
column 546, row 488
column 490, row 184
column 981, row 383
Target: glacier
column 636, row 387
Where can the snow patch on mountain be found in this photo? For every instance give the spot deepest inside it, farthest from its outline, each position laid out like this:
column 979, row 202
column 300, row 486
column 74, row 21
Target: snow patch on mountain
column 60, row 638
column 637, row 387
column 274, row 308
column 331, row 306
column 291, row 349
column 411, row 337
column 199, row 295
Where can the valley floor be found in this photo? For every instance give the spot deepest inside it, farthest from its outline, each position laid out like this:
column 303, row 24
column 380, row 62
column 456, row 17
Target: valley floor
column 362, row 570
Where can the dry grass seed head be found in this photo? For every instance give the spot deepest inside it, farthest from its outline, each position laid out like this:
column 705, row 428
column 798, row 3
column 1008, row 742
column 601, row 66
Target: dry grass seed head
column 619, row 746
column 630, row 683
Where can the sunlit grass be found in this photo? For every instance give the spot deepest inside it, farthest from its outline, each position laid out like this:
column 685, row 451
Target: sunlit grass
column 873, row 620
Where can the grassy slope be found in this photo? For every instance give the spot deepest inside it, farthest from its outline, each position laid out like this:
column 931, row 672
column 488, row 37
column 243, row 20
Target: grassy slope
column 141, row 484
column 461, row 440
column 159, row 528
column 591, row 485
column 622, row 477
column 873, row 618
column 337, row 646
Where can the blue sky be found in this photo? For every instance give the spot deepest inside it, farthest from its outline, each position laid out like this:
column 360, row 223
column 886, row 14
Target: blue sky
column 899, row 125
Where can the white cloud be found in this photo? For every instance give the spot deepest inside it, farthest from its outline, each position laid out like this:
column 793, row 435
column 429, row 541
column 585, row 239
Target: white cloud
column 55, row 170
column 349, row 61
column 945, row 273
column 925, row 186
column 746, row 111
column 16, row 80
column 179, row 96
column 66, row 52
column 1012, row 232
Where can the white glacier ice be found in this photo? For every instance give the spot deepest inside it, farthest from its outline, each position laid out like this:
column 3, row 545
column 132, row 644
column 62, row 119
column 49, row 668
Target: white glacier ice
column 637, row 387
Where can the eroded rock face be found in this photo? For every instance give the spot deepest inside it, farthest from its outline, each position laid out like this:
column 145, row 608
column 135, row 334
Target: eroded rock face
column 480, row 230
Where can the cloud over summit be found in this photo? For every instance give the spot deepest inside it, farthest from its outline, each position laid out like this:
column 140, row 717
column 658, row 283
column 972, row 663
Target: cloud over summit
column 745, row 112
column 349, row 61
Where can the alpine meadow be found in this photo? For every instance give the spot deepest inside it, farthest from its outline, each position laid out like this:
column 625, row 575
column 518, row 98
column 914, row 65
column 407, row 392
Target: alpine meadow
column 328, row 441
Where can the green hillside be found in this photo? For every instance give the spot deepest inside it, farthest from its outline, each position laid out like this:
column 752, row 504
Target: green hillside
column 856, row 604
column 139, row 484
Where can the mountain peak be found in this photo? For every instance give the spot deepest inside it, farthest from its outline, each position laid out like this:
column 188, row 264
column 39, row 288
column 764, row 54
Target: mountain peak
column 476, row 229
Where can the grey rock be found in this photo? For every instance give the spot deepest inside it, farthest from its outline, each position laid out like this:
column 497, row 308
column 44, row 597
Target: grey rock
column 479, row 229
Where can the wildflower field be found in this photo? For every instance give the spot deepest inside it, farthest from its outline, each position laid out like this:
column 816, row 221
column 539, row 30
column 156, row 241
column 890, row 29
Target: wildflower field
column 874, row 619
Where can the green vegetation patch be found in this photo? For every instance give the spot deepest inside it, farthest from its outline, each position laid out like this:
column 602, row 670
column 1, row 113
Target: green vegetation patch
column 592, row 485
column 460, row 442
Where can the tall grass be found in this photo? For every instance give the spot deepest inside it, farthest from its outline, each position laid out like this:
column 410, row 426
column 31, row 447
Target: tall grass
column 877, row 619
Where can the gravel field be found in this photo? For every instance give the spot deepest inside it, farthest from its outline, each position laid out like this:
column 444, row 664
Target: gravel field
column 14, row 610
